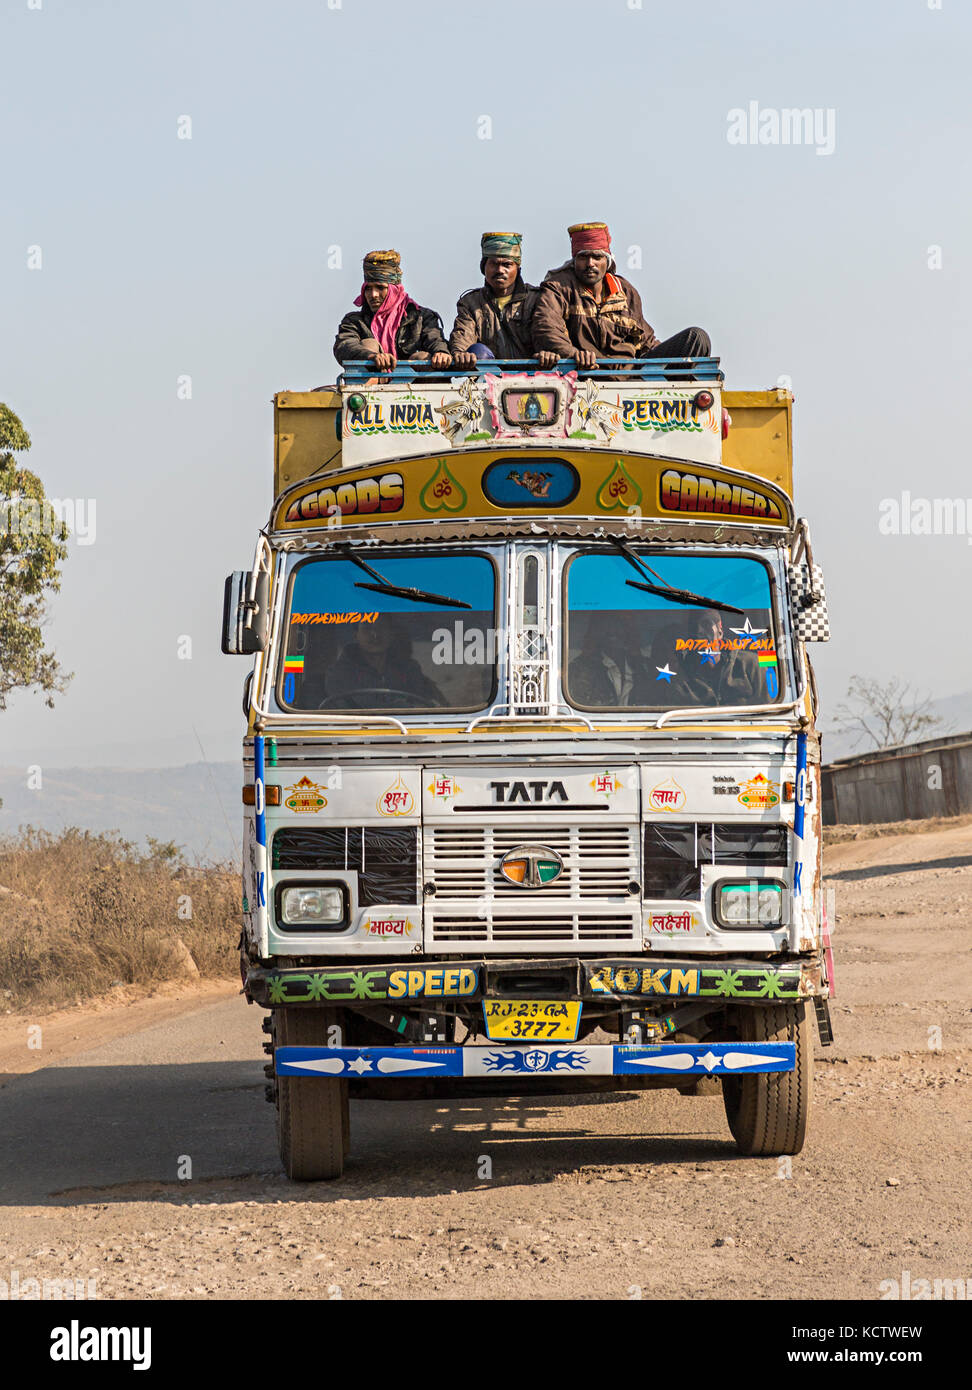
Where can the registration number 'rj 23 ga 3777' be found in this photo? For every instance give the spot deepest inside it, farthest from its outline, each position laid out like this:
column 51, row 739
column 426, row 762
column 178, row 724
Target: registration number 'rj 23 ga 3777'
column 532, row 1018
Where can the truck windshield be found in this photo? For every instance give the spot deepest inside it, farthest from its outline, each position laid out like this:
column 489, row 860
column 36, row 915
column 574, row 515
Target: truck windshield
column 628, row 648
column 354, row 648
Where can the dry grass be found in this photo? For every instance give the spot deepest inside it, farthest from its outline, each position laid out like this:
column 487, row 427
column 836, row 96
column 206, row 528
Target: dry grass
column 839, row 834
column 85, row 912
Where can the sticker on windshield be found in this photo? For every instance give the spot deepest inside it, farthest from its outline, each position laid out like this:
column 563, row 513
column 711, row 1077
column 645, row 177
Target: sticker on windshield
column 723, row 644
column 299, row 619
column 747, row 630
column 767, row 664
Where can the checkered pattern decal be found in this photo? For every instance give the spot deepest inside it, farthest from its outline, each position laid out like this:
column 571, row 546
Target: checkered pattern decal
column 811, row 622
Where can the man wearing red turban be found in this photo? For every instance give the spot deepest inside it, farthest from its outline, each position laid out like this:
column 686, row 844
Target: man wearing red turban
column 586, row 310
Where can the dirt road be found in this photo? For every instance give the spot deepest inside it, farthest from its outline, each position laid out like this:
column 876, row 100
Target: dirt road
column 638, row 1194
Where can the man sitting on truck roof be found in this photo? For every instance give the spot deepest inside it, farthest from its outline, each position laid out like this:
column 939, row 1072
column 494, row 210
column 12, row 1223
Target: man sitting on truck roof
column 585, row 310
column 389, row 326
column 495, row 321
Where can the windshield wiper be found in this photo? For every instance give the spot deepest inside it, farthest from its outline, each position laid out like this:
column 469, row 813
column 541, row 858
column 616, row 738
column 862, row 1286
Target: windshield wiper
column 683, row 596
column 668, row 591
column 416, row 595
column 400, row 590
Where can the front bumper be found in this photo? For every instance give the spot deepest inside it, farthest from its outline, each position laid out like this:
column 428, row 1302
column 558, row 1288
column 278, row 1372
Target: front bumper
column 537, row 1059
column 621, row 980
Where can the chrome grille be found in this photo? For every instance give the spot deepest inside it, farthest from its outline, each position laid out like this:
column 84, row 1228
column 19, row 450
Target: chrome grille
column 590, row 904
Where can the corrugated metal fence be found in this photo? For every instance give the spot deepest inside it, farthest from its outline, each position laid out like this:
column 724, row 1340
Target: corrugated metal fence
column 910, row 782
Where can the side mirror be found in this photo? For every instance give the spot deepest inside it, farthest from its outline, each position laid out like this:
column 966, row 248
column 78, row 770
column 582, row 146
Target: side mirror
column 245, row 617
column 808, row 599
column 808, row 604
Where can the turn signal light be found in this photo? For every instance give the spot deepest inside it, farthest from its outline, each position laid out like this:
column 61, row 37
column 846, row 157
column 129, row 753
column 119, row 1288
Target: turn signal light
column 272, row 792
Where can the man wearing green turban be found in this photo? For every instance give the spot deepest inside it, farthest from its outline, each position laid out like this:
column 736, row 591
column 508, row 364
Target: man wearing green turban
column 495, row 321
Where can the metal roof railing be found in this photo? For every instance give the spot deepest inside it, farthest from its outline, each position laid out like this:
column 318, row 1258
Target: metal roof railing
column 647, row 369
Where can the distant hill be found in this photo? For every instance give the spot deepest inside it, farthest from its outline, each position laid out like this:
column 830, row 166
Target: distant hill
column 197, row 805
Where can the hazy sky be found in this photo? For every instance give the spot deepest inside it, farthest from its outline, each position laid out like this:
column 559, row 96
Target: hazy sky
column 357, row 125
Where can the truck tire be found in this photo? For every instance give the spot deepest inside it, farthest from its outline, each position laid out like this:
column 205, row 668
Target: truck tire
column 768, row 1111
column 313, row 1115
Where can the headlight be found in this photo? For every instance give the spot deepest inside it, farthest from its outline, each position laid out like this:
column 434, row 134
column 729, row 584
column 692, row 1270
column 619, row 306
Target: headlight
column 317, row 905
column 755, row 903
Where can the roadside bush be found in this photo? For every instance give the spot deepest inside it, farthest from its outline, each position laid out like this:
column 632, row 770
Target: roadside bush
column 81, row 912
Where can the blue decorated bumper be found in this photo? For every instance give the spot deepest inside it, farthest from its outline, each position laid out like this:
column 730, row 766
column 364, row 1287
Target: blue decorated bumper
column 674, row 1059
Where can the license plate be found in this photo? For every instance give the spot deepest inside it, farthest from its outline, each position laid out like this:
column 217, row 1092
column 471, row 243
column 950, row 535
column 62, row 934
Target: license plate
column 532, row 1019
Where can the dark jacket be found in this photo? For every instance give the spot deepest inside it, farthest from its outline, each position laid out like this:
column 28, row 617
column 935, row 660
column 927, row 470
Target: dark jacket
column 568, row 317
column 420, row 332
column 600, row 679
column 735, row 679
column 506, row 332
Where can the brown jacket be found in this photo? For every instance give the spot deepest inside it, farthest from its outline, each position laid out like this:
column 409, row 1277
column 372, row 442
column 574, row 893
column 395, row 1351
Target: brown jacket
column 568, row 317
column 506, row 332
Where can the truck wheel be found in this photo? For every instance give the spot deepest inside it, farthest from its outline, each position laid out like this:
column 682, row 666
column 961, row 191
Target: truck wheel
column 768, row 1111
column 345, row 1120
column 313, row 1116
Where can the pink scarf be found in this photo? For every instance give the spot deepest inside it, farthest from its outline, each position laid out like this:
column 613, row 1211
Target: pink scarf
column 387, row 318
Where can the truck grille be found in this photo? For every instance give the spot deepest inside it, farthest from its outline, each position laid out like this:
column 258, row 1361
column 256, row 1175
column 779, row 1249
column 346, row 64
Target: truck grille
column 474, row 905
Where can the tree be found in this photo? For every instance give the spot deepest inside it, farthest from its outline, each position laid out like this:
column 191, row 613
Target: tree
column 886, row 714
column 32, row 547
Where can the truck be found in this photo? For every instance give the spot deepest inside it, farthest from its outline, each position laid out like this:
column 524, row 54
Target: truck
column 531, row 775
